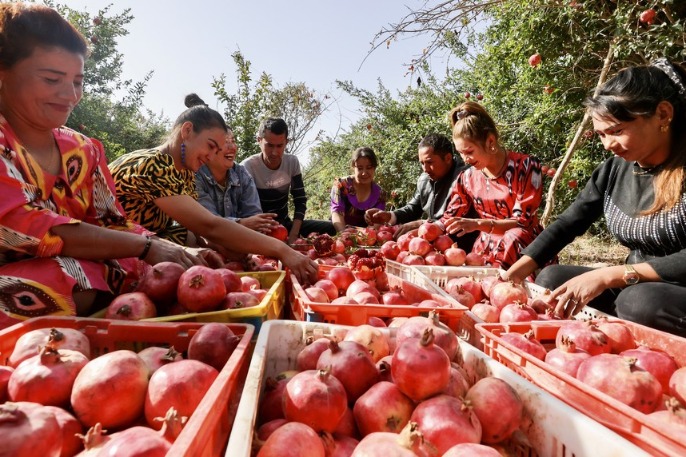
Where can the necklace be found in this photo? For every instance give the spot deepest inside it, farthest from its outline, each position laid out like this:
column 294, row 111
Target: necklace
column 496, row 175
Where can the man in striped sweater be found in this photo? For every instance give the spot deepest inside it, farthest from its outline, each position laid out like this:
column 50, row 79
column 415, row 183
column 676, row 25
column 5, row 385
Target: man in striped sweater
column 277, row 175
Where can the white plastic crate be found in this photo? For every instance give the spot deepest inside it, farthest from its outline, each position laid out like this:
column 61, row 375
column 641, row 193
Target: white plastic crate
column 552, row 428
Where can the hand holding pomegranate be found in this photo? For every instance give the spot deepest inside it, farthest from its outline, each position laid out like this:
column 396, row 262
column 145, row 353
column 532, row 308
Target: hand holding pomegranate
column 263, row 223
column 376, row 216
column 302, row 266
column 573, row 295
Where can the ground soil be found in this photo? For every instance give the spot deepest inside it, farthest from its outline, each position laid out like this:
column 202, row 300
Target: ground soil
column 593, row 251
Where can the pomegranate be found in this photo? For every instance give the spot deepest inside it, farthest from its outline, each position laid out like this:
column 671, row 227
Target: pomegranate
column 213, row 344
column 455, row 256
column 585, row 335
column 279, row 232
column 315, row 398
column 658, row 363
column 156, row 356
column 366, row 298
column 434, row 258
column 620, row 378
column 525, row 342
column 647, row 16
column 371, row 338
column 110, row 389
column 394, row 298
column 672, row 419
column 677, row 385
column 446, row 421
column 257, row 293
column 463, row 296
column 413, row 259
column 342, row 278
column 374, row 322
column 265, row 430
column 468, row 283
column 402, row 256
column 132, row 306
column 404, row 241
column 487, row 284
column 618, row 335
column 429, row 231
column 419, row 246
column 352, row 365
column 458, row 385
column 317, row 295
column 329, row 287
column 384, row 367
column 344, row 301
column 486, row 312
column 240, row 300
column 30, row 343
column 271, row 405
column 71, row 429
column 442, row 243
column 535, row 60
column 419, row 368
column 443, row 336
column 474, row 259
column 160, row 282
column 341, row 445
column 181, row 385
column 504, row 293
column 5, row 373
column 390, row 250
column 517, row 312
column 308, row 356
column 358, row 286
column 46, row 378
column 293, row 439
column 566, row 357
column 498, row 407
column 232, row 282
column 409, row 443
column 201, row 289
column 471, row 450
column 93, row 441
column 136, row 441
column 347, row 425
column 382, row 408
column 29, row 429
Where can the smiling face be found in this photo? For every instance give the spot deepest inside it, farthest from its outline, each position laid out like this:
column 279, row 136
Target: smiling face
column 363, row 171
column 201, row 146
column 42, row 90
column 224, row 159
column 639, row 140
column 434, row 165
column 273, row 147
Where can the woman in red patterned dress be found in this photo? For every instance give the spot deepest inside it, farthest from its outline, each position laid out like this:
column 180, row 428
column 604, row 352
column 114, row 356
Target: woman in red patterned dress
column 504, row 187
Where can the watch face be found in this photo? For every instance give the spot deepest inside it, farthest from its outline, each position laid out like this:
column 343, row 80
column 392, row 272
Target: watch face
column 631, row 278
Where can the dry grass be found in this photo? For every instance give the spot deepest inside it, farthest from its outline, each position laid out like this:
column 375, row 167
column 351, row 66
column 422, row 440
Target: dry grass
column 593, row 251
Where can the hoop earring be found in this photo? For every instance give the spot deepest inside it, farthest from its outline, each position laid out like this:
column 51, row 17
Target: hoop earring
column 183, row 154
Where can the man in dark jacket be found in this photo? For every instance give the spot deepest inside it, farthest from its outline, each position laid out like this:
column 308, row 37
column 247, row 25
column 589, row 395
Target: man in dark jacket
column 440, row 168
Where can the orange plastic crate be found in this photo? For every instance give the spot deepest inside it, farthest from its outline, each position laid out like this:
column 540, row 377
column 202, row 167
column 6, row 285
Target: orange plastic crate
column 207, row 430
column 623, row 419
column 304, row 309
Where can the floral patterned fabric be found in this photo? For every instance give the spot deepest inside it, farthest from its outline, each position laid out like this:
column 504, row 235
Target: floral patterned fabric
column 344, row 200
column 35, row 279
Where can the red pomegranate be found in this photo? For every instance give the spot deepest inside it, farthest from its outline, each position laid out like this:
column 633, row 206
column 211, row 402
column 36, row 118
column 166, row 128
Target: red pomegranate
column 342, row 277
column 658, row 363
column 329, row 287
column 71, row 429
column 232, row 282
column 505, row 293
column 132, row 306
column 352, row 365
column 458, row 385
column 240, row 300
column 586, row 335
column 271, row 406
column 317, row 295
column 486, row 312
column 567, row 357
column 443, row 336
column 160, row 281
column 672, row 420
column 46, row 378
column 181, row 385
column 382, row 408
column 429, row 231
column 201, row 289
column 446, row 421
column 308, row 356
column 487, row 284
column 136, row 441
column 419, row 368
column 455, row 256
column 213, row 344
column 110, row 390
column 315, row 398
column 419, row 246
column 390, row 250
column 517, row 312
column 28, row 429
column 525, row 342
column 474, row 259
column 30, row 343
column 620, row 378
column 468, row 283
column 471, row 450
column 409, row 443
column 677, row 385
column 5, row 373
column 498, row 407
column 618, row 335
column 156, row 356
column 443, row 243
column 293, row 439
column 371, row 338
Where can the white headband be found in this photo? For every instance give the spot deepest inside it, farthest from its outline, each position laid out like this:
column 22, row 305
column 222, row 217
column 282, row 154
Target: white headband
column 666, row 67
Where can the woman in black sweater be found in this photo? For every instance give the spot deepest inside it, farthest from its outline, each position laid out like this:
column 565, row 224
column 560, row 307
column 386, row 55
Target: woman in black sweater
column 640, row 116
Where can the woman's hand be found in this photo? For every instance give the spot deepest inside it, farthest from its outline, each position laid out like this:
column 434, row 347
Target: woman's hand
column 263, row 223
column 305, row 269
column 460, row 226
column 520, row 270
column 376, row 216
column 571, row 297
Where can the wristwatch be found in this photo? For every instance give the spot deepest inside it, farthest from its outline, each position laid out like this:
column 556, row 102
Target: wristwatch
column 630, row 275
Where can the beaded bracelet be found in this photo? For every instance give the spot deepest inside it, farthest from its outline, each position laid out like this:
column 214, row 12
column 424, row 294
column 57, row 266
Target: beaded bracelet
column 146, row 248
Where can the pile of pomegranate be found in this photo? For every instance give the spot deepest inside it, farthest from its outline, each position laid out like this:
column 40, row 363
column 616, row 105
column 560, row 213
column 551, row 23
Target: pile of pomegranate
column 367, row 394
column 57, row 400
column 604, row 354
column 168, row 289
column 342, row 285
column 429, row 245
